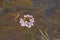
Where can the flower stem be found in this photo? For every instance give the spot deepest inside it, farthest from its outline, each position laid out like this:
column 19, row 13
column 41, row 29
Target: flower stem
column 28, row 34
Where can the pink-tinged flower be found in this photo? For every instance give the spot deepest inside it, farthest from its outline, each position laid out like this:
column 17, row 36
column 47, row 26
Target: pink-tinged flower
column 27, row 23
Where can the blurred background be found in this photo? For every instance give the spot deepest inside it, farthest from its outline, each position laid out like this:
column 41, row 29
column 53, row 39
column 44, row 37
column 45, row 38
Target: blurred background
column 45, row 12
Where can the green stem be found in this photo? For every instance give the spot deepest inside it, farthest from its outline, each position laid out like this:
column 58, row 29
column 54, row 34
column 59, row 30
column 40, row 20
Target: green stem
column 28, row 34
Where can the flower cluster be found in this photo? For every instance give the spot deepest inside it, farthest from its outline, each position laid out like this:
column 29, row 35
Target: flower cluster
column 24, row 22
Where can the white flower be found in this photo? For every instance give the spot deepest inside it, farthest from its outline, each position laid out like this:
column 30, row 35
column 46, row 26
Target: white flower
column 24, row 22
